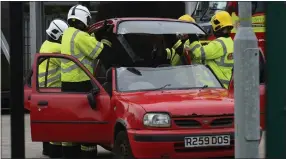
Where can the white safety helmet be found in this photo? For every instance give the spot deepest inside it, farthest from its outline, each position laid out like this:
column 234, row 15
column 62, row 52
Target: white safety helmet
column 80, row 13
column 56, row 29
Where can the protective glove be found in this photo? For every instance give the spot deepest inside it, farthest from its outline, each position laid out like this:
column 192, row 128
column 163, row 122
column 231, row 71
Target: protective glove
column 104, row 32
column 180, row 49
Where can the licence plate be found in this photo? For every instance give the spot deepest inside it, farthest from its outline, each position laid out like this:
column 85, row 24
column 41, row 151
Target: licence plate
column 203, row 141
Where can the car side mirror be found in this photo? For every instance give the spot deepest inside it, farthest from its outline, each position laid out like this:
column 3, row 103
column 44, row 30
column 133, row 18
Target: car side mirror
column 91, row 99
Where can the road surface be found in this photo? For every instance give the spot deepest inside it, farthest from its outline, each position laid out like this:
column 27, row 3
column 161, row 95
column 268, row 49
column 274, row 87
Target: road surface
column 34, row 149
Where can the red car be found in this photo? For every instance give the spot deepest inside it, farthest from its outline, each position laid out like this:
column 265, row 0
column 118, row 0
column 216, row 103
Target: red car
column 139, row 107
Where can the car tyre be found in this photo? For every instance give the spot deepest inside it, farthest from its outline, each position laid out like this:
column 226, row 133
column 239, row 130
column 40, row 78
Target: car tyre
column 122, row 149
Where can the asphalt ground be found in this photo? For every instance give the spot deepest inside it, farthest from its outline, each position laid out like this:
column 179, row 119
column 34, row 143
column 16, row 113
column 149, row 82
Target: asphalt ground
column 34, row 149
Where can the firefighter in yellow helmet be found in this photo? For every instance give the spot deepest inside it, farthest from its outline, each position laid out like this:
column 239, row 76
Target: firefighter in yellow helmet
column 175, row 53
column 49, row 74
column 86, row 48
column 218, row 54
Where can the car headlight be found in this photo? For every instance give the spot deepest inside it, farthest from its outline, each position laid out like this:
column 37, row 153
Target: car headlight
column 157, row 120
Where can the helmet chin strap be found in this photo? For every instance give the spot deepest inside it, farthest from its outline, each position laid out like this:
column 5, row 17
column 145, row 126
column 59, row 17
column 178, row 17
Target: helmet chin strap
column 218, row 34
column 50, row 39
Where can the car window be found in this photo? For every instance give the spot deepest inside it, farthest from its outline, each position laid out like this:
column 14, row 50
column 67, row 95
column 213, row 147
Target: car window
column 49, row 75
column 171, row 78
column 158, row 27
column 100, row 72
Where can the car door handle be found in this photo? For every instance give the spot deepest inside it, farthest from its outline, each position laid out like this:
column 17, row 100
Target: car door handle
column 42, row 103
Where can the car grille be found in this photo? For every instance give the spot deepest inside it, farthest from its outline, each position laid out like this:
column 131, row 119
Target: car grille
column 188, row 123
column 222, row 122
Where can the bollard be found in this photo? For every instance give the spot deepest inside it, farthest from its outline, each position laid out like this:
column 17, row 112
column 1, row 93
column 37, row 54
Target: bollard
column 246, row 87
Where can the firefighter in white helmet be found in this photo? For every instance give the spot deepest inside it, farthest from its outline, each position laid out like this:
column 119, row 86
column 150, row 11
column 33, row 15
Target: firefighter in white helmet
column 86, row 48
column 49, row 74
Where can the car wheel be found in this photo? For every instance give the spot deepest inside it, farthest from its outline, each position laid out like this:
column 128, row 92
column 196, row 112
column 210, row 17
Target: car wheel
column 122, row 149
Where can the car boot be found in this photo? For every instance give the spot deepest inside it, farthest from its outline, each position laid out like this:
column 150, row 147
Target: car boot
column 55, row 150
column 46, row 146
column 69, row 152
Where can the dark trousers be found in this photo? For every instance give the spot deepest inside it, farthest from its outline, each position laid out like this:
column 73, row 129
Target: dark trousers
column 87, row 150
column 45, row 148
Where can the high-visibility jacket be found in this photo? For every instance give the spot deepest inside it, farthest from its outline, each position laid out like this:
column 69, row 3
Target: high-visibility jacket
column 218, row 55
column 82, row 46
column 49, row 74
column 173, row 56
column 176, row 60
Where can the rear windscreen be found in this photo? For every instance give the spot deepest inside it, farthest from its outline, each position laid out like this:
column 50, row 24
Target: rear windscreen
column 158, row 27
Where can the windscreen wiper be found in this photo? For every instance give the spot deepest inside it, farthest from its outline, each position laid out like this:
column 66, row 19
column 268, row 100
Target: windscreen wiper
column 204, row 86
column 167, row 85
column 134, row 71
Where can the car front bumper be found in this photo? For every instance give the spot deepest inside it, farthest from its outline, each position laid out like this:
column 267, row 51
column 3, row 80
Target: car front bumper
column 170, row 144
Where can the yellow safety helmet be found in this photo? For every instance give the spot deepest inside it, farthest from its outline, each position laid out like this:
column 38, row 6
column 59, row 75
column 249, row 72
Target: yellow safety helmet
column 220, row 20
column 187, row 18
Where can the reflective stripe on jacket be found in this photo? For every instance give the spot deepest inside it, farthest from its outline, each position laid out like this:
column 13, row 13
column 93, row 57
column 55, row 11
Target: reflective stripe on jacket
column 217, row 55
column 177, row 59
column 173, row 56
column 194, row 60
column 82, row 46
column 54, row 64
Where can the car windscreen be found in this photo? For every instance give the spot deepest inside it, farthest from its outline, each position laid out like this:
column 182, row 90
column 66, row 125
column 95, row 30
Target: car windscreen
column 165, row 78
column 158, row 27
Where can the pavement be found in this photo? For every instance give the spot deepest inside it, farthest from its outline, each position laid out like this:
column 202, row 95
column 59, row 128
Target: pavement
column 34, row 149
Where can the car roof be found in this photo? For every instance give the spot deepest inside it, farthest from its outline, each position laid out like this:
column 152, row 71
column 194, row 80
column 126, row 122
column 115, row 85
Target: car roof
column 116, row 21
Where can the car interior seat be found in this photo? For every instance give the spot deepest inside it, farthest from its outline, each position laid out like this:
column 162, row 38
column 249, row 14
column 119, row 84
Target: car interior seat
column 108, row 83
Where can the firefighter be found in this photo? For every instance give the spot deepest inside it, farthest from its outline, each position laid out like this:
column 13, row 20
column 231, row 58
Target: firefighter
column 49, row 72
column 174, row 54
column 218, row 54
column 86, row 48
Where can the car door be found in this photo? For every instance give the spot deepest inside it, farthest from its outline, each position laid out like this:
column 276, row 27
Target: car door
column 69, row 116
